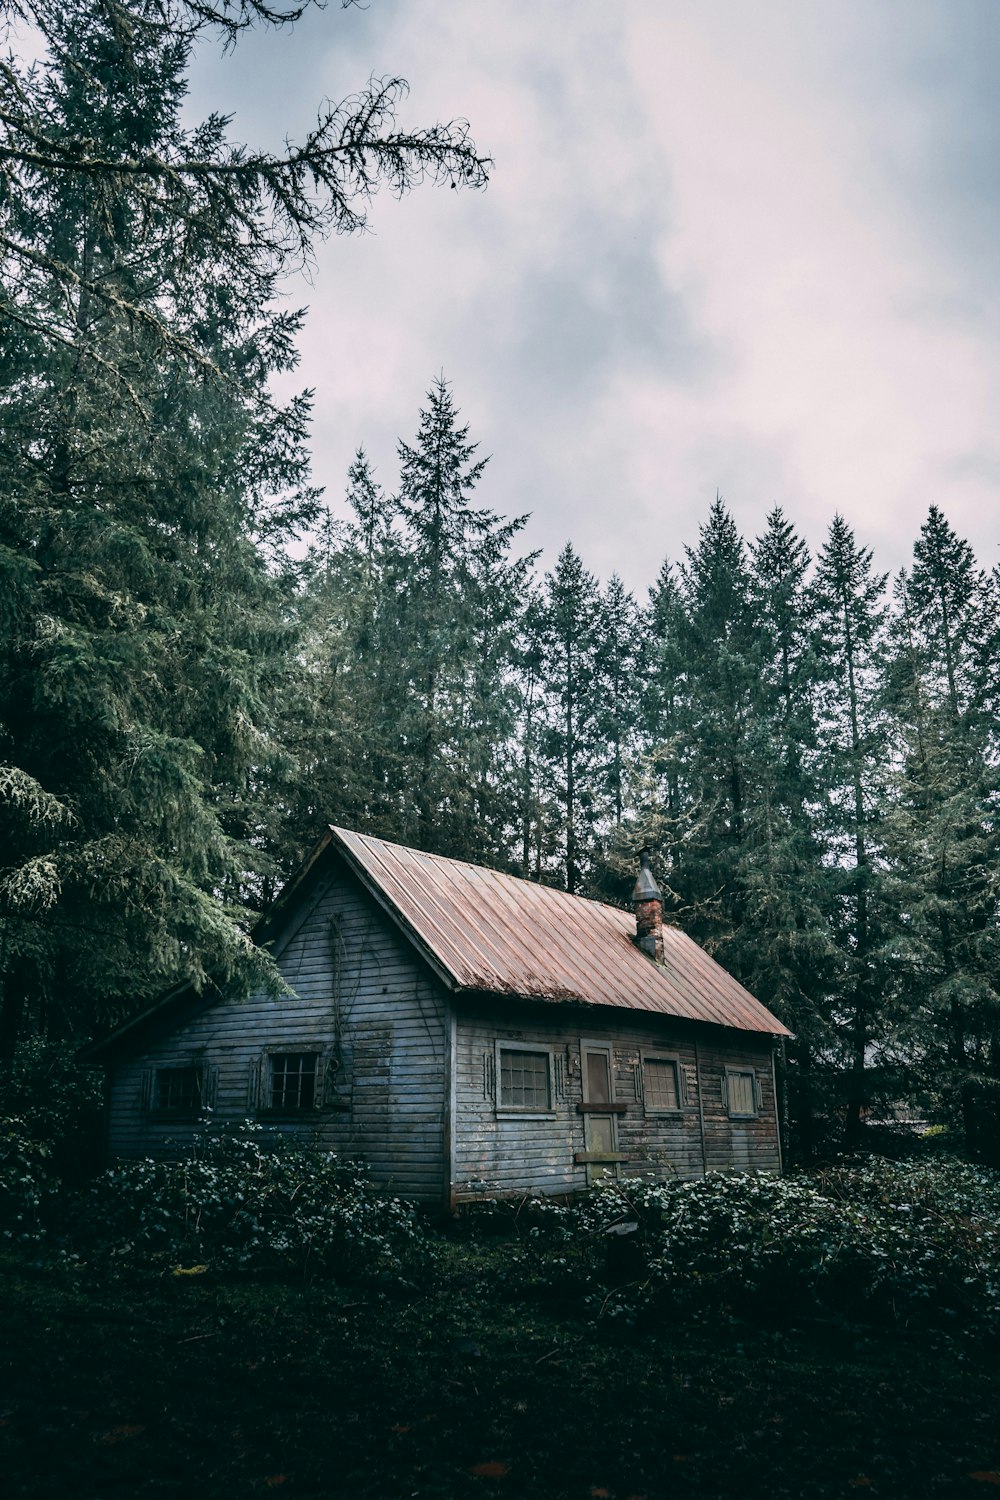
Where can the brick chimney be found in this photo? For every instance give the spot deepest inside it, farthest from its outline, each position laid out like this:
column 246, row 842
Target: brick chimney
column 648, row 905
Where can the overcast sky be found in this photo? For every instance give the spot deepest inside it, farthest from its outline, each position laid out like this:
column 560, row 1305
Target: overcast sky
column 726, row 246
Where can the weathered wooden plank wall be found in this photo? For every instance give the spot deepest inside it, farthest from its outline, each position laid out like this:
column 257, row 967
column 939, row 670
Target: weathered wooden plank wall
column 497, row 1153
column 356, row 982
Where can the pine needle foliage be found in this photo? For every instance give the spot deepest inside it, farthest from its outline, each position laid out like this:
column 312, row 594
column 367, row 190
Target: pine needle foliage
column 151, row 485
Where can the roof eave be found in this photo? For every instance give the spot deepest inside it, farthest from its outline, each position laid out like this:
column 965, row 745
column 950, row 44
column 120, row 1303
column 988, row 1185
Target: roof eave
column 521, row 997
column 181, row 997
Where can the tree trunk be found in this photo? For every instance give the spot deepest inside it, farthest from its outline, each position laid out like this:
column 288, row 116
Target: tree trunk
column 18, row 983
column 802, row 1102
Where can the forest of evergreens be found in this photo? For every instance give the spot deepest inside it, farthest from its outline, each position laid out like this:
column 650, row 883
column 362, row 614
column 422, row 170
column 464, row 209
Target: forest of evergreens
column 202, row 660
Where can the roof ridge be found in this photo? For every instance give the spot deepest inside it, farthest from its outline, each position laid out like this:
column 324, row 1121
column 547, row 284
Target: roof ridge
column 476, row 869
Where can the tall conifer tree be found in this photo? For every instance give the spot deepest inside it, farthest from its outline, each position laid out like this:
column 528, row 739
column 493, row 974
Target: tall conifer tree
column 141, row 491
column 621, row 665
column 660, row 793
column 720, row 644
column 460, row 598
column 347, row 729
column 942, row 836
column 795, row 963
column 571, row 743
column 850, row 615
column 150, row 484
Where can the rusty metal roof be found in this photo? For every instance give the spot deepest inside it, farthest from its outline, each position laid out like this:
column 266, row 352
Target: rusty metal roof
column 487, row 932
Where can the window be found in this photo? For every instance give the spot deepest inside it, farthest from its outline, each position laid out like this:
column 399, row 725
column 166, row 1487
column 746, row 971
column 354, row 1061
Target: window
column 596, row 1075
column 179, row 1091
column 741, row 1092
column 292, row 1083
column 661, row 1085
column 524, row 1075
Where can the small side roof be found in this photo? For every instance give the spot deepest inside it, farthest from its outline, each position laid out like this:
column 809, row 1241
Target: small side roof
column 485, row 932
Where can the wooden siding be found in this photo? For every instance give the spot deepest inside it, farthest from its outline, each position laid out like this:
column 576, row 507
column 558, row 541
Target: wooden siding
column 497, row 1153
column 360, row 992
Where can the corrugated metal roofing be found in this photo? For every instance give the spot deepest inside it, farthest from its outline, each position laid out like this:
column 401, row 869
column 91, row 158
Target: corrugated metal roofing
column 495, row 933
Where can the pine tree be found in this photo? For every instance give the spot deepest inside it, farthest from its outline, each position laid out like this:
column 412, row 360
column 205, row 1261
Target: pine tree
column 660, row 793
column 497, row 595
column 460, row 597
column 719, row 642
column 941, row 835
column 620, row 668
column 780, row 565
column 536, row 818
column 850, row 613
column 948, row 601
column 150, row 485
column 137, row 661
column 346, row 726
column 570, row 744
column 623, row 667
column 195, row 186
column 789, row 913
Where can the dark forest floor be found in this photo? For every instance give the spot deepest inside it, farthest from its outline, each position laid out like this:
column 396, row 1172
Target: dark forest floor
column 189, row 1386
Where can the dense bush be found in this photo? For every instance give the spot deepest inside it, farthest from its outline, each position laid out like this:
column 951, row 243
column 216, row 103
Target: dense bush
column 899, row 1243
column 26, row 1181
column 58, row 1103
column 235, row 1202
column 887, row 1241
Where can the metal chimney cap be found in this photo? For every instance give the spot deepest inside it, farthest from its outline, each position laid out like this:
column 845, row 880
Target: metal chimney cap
column 645, row 888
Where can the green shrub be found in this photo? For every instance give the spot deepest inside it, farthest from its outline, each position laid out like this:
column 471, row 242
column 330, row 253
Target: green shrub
column 885, row 1242
column 518, row 1217
column 235, row 1202
column 943, row 1187
column 58, row 1102
column 26, row 1181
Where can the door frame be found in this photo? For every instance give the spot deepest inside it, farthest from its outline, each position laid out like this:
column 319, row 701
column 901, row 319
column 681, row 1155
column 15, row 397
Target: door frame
column 600, row 1125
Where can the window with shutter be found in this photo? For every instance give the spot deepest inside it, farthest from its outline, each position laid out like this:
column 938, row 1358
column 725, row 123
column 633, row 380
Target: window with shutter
column 661, row 1084
column 741, row 1092
column 524, row 1078
column 179, row 1091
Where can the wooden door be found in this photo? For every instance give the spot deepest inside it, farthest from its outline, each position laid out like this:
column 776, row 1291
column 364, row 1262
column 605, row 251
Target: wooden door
column 600, row 1126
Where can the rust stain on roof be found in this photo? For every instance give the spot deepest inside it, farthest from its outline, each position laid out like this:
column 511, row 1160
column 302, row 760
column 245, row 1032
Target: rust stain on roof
column 500, row 935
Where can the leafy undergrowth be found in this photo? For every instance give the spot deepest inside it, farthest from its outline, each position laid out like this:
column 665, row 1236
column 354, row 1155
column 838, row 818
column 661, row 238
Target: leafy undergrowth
column 235, row 1202
column 249, row 1320
column 906, row 1244
column 167, row 1385
column 902, row 1245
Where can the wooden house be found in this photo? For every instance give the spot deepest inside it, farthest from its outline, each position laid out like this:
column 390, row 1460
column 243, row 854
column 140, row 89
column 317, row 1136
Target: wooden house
column 465, row 1033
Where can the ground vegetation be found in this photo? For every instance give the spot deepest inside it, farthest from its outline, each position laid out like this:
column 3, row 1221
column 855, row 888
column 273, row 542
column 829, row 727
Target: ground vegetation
column 831, row 1332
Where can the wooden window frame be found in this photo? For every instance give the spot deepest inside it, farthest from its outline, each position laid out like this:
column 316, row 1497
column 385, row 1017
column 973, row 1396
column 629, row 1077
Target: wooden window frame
column 597, row 1106
column 748, row 1072
column 206, row 1091
column 654, row 1055
column 263, row 1107
column 525, row 1111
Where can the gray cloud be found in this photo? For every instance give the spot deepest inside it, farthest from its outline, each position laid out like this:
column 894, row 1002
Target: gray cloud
column 750, row 248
